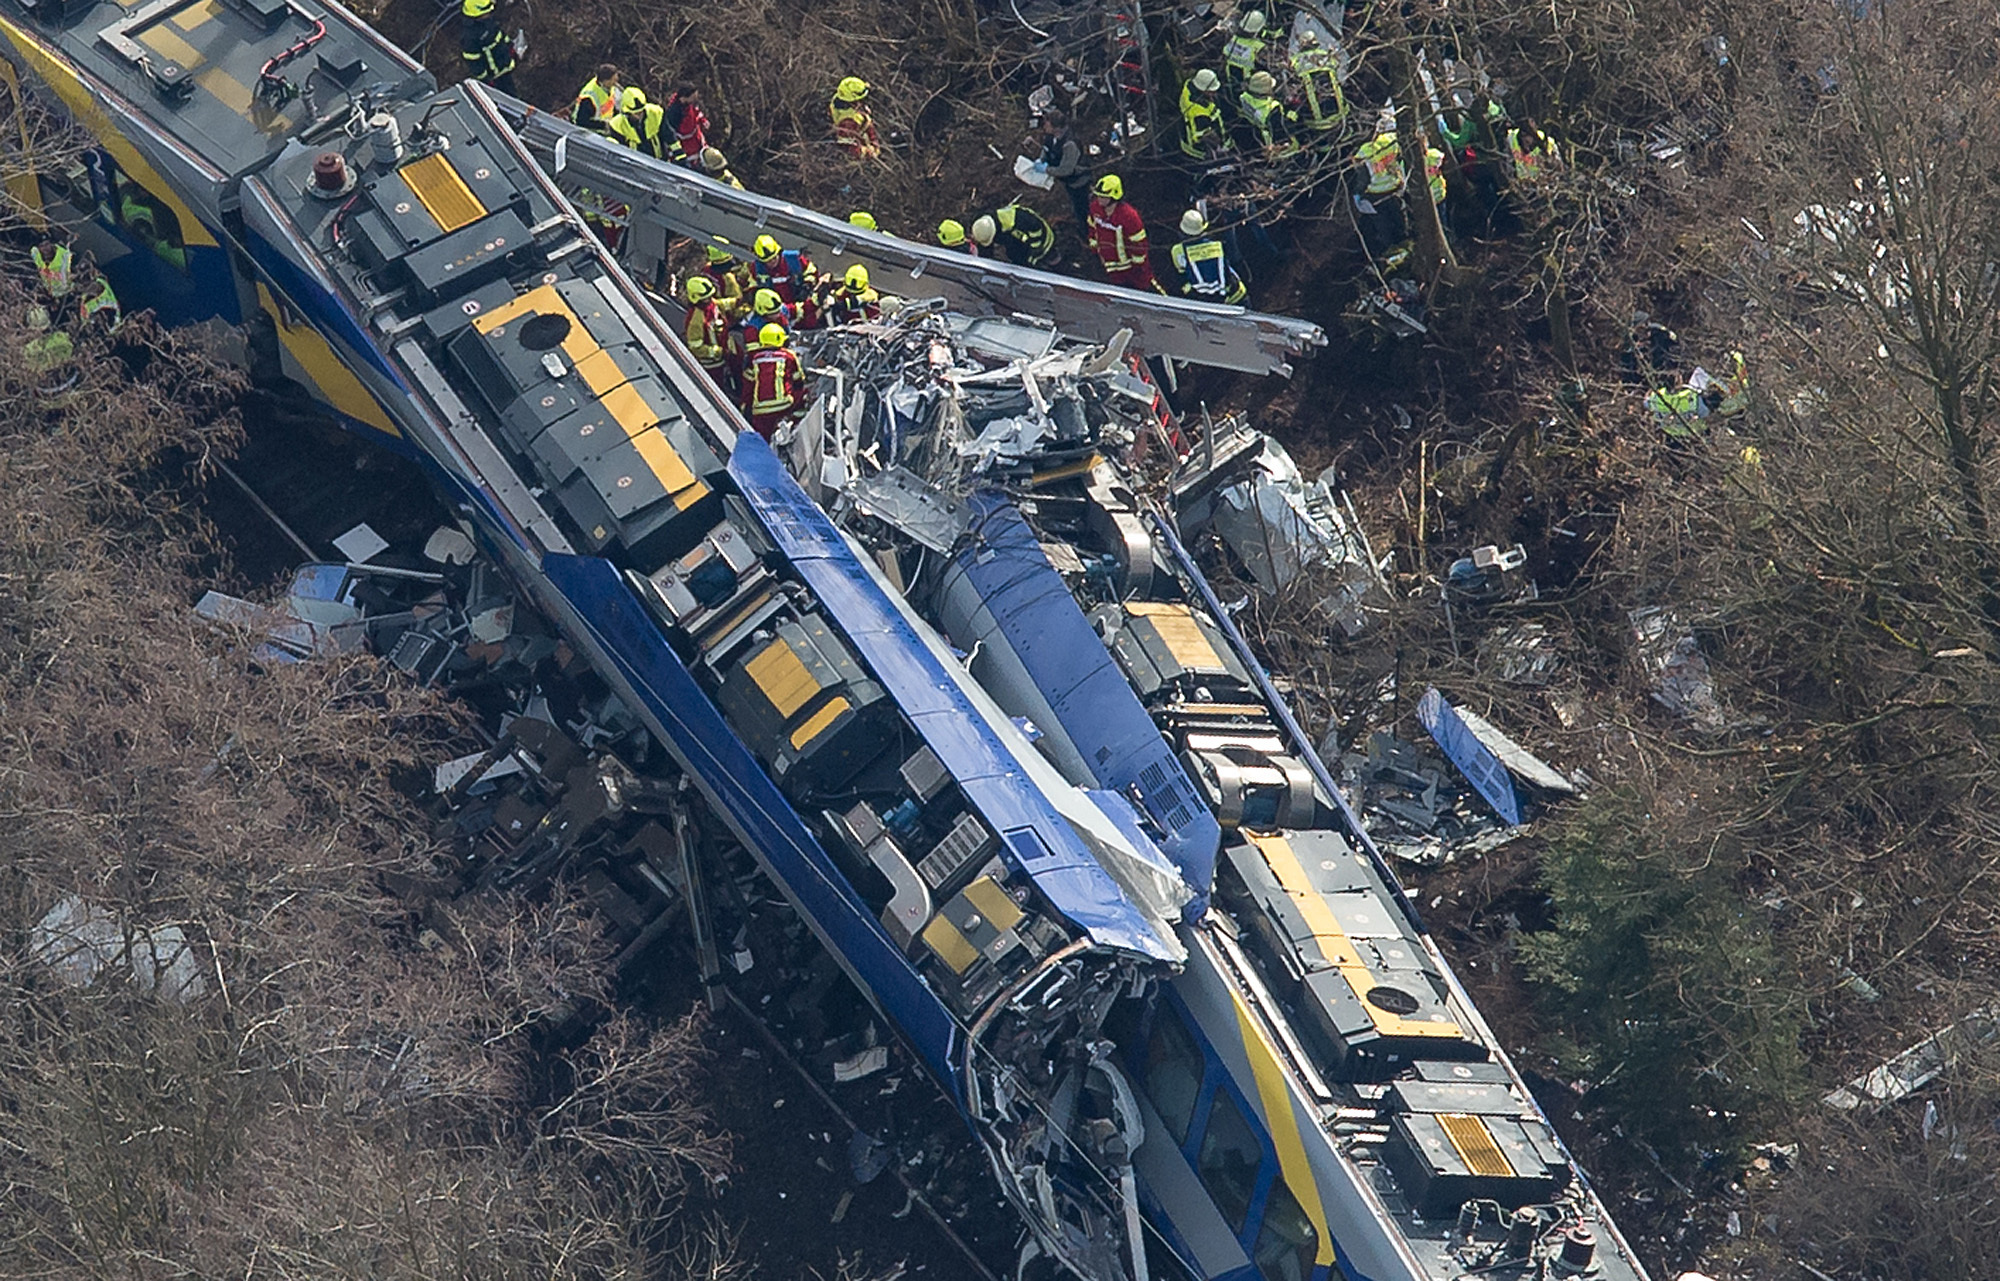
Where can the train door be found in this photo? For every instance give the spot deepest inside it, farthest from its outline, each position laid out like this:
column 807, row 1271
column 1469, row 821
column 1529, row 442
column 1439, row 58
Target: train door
column 139, row 242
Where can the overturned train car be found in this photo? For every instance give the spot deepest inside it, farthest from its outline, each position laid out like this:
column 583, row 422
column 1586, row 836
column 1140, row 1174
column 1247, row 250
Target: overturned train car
column 1151, row 958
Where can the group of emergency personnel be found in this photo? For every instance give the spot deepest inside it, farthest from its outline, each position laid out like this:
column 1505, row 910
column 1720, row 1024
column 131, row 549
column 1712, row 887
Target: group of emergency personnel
column 1271, row 96
column 741, row 316
column 74, row 302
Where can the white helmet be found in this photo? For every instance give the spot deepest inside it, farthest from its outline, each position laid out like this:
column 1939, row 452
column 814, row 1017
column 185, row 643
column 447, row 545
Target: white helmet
column 1253, row 22
column 1192, row 223
column 1207, row 81
column 983, row 229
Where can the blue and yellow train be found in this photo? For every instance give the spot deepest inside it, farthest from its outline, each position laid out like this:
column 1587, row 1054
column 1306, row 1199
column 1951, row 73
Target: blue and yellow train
column 1152, row 958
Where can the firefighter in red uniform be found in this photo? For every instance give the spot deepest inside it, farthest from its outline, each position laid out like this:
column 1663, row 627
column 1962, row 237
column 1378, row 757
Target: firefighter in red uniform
column 766, row 308
column 774, row 383
column 704, row 332
column 1118, row 235
column 788, row 271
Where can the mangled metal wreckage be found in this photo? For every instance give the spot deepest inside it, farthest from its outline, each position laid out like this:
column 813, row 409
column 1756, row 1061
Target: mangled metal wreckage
column 1200, row 1032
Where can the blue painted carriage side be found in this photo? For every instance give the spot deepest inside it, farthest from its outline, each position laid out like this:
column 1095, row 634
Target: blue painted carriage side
column 1091, row 698
column 1040, row 838
column 737, row 786
column 318, row 304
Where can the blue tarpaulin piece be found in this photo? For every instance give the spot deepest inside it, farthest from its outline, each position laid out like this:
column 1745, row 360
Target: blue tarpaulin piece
column 1479, row 765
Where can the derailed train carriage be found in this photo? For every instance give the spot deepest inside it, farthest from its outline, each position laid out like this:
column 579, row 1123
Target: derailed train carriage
column 1151, row 957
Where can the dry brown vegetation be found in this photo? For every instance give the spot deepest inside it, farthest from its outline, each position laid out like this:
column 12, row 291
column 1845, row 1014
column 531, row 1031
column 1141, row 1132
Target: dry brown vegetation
column 345, row 1088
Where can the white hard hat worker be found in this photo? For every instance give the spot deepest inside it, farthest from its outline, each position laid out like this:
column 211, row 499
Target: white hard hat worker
column 984, row 229
column 1193, row 224
column 1207, row 81
column 1254, row 22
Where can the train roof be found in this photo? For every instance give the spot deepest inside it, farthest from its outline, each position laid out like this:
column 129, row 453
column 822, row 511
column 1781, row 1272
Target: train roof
column 229, row 82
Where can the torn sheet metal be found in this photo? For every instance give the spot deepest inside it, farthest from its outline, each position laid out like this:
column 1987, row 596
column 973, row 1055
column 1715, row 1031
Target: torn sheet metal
column 80, row 942
column 1918, row 1066
column 1283, row 527
column 1672, row 659
column 1473, row 758
column 1520, row 762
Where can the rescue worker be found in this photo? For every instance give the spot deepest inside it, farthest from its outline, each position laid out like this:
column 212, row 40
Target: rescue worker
column 689, row 125
column 48, row 354
column 1244, row 50
column 486, row 51
column 1318, row 73
column 863, row 219
column 597, row 102
column 1204, row 135
column 1022, row 236
column 56, row 266
column 1206, row 275
column 1118, row 237
column 98, row 311
column 727, row 275
column 788, row 271
column 853, row 122
column 774, row 383
column 703, row 332
column 638, row 124
column 716, row 166
column 853, row 301
column 951, row 234
column 1063, row 158
column 766, row 308
column 1268, row 118
column 1533, row 153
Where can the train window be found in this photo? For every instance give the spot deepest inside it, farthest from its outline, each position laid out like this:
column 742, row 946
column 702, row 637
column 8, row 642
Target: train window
column 1229, row 1159
column 1173, row 1071
column 148, row 219
column 1287, row 1242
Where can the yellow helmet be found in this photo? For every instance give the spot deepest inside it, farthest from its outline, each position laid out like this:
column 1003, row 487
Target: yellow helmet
column 856, row 278
column 633, row 99
column 951, row 233
column 700, row 289
column 718, row 255
column 765, row 247
column 476, row 8
column 851, row 89
column 765, row 302
column 863, row 219
column 772, row 335
column 1111, row 187
column 984, row 229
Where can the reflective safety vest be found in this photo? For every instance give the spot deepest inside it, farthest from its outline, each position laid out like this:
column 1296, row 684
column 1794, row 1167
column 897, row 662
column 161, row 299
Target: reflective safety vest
column 1269, row 118
column 1240, row 55
column 743, row 337
column 1318, row 73
column 104, row 303
column 703, row 334
column 1530, row 164
column 644, row 133
column 1384, row 164
column 47, row 351
column 1117, row 234
column 1024, row 234
column 595, row 105
column 1201, row 124
column 1679, row 411
column 728, row 281
column 1434, row 171
column 55, row 272
column 773, row 381
column 845, row 307
column 854, row 128
column 487, row 51
column 1205, row 272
